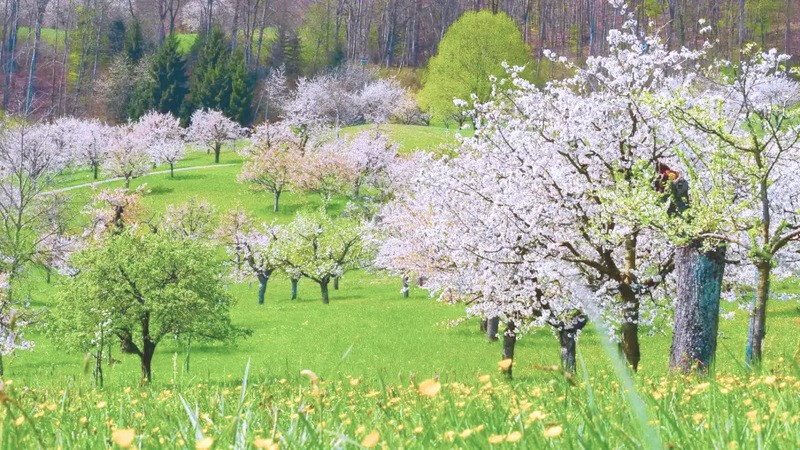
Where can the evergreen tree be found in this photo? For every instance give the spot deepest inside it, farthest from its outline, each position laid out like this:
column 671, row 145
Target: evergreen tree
column 116, row 36
column 242, row 85
column 211, row 79
column 134, row 42
column 170, row 83
column 291, row 54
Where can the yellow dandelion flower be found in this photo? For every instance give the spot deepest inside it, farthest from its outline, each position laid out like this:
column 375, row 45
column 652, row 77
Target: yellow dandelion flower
column 514, row 436
column 553, row 432
column 429, row 388
column 698, row 418
column 733, row 445
column 83, row 420
column 267, row 444
column 769, row 380
column 354, row 381
column 752, row 415
column 505, row 364
column 204, row 444
column 101, row 405
column 371, row 440
column 418, row 430
column 497, row 439
column 123, row 438
column 484, row 378
column 449, row 435
column 536, row 415
column 465, row 434
column 19, row 420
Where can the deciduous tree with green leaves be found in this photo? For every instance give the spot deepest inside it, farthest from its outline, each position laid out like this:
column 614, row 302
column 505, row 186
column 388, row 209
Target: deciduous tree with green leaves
column 471, row 51
column 141, row 287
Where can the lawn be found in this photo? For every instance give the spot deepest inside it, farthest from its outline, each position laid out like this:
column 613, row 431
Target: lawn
column 388, row 344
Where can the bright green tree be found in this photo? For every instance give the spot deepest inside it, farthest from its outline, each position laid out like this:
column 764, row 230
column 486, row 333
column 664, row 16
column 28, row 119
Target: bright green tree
column 170, row 82
column 139, row 287
column 472, row 50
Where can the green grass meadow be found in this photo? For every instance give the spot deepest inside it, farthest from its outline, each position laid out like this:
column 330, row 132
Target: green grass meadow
column 371, row 348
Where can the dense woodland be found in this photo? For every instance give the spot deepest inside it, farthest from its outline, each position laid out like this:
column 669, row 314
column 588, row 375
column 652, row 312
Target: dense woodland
column 73, row 57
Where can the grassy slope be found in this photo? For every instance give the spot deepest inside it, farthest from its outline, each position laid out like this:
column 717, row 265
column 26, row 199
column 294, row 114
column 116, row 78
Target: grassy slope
column 368, row 330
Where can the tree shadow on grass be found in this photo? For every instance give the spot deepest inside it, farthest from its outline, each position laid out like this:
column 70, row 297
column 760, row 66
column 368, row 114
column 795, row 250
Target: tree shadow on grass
column 161, row 190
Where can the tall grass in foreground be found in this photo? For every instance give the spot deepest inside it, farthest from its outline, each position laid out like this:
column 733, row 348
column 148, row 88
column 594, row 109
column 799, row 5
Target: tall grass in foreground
column 727, row 410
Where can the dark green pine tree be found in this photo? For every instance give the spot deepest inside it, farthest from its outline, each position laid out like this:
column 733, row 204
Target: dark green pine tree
column 210, row 81
column 170, row 83
column 242, row 86
column 134, row 42
column 291, row 56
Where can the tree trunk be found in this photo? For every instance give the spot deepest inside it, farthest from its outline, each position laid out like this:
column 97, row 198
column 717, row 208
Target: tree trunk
column 276, row 198
column 95, row 168
column 567, row 340
column 217, row 150
column 630, row 326
column 294, row 288
column 34, row 58
column 171, row 170
column 324, row 286
column 406, row 288
column 147, row 360
column 758, row 317
column 2, row 368
column 335, row 283
column 98, row 366
column 509, row 342
column 262, row 287
column 492, row 325
column 188, row 352
column 699, row 280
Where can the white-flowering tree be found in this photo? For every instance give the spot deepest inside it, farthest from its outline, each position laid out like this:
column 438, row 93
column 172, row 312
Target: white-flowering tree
column 743, row 126
column 126, row 156
column 254, row 250
column 194, row 219
column 380, row 100
column 372, row 156
column 161, row 135
column 88, row 141
column 274, row 156
column 326, row 170
column 321, row 248
column 275, row 93
column 210, row 128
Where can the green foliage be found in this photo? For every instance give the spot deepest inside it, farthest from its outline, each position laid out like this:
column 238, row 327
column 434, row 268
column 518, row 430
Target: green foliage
column 143, row 287
column 242, row 87
column 170, row 83
column 210, row 80
column 134, row 44
column 320, row 46
column 115, row 36
column 321, row 248
column 472, row 50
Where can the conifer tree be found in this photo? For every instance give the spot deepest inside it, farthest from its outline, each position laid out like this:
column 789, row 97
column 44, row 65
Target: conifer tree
column 241, row 97
column 210, row 80
column 169, row 78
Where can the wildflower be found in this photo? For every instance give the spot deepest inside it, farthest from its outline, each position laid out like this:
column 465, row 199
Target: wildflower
column 429, row 388
column 354, row 381
column 19, row 420
column 123, row 438
column 484, row 378
column 265, row 443
column 553, row 432
column 769, row 380
column 496, row 439
column 371, row 440
column 101, row 404
column 83, row 420
column 505, row 364
column 449, row 435
column 465, row 434
column 204, row 444
column 418, row 430
column 752, row 415
column 536, row 415
column 514, row 436
column 698, row 418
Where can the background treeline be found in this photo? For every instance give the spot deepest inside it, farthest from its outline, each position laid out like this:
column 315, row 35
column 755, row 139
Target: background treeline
column 69, row 56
